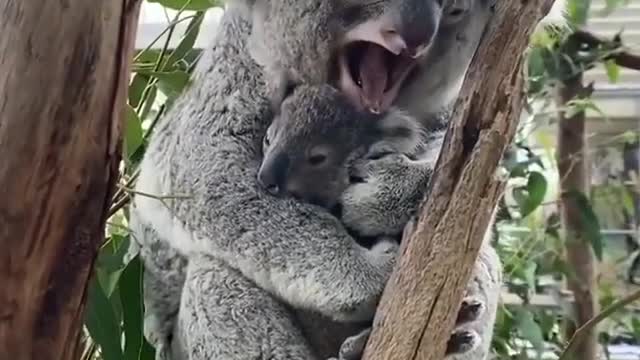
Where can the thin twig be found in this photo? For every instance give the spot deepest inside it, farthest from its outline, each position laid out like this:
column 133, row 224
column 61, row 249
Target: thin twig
column 578, row 335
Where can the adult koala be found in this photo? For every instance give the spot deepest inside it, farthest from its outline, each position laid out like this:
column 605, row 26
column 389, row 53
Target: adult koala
column 259, row 266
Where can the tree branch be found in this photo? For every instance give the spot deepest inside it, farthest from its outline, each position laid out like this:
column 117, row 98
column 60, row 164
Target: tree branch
column 622, row 58
column 419, row 305
column 64, row 70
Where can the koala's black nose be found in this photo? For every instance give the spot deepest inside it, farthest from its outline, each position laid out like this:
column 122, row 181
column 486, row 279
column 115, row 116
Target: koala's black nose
column 273, row 174
column 417, row 25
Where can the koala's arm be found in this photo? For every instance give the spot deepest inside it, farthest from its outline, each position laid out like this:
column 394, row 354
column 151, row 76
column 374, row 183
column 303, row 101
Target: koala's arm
column 211, row 153
column 387, row 195
column 387, row 191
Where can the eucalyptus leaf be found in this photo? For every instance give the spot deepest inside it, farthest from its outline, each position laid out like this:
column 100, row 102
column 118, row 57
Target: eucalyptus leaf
column 102, row 323
column 196, row 5
column 589, row 223
column 133, row 135
column 529, row 329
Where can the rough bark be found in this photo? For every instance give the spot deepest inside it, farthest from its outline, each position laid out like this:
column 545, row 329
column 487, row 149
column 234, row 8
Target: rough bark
column 419, row 305
column 63, row 81
column 573, row 175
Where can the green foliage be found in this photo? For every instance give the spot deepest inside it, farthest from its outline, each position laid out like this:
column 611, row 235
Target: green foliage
column 197, row 5
column 533, row 257
column 115, row 310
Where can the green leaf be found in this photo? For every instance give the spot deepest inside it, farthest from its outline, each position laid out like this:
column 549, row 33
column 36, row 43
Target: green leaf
column 133, row 135
column 635, row 325
column 102, row 323
column 108, row 280
column 578, row 11
column 530, row 274
column 613, row 70
column 530, row 329
column 136, row 89
column 148, row 102
column 170, row 83
column 112, row 253
column 536, row 189
column 132, row 308
column 589, row 224
column 197, row 5
column 187, row 42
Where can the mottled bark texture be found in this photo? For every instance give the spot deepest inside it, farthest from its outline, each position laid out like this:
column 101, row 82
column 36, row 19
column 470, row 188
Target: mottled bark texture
column 419, row 305
column 574, row 178
column 64, row 67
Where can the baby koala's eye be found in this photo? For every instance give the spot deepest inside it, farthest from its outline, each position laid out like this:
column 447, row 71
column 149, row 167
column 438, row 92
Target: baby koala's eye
column 318, row 156
column 317, row 159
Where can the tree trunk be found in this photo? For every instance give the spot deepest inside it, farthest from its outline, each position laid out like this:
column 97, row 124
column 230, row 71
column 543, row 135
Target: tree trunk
column 64, row 71
column 572, row 171
column 419, row 305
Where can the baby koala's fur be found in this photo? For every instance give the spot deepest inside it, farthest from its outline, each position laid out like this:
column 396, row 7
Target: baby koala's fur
column 316, row 137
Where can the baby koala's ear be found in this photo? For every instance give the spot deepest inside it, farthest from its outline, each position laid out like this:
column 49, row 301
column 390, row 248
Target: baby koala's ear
column 400, row 131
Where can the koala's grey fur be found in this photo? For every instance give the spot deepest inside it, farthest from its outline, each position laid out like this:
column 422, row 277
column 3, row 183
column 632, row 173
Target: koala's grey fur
column 317, row 135
column 295, row 256
column 263, row 277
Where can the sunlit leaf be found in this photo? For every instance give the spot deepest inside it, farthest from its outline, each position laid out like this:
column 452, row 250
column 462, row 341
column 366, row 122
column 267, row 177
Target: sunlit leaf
column 536, row 189
column 578, row 11
column 613, row 70
column 530, row 274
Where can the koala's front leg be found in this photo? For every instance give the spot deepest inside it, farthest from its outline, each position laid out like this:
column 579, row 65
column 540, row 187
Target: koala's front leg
column 384, row 194
column 382, row 200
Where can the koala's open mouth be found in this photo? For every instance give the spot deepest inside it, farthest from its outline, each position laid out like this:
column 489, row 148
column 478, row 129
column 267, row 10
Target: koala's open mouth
column 371, row 75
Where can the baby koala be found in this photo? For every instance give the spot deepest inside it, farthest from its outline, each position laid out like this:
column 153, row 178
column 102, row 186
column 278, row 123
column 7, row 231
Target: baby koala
column 308, row 151
column 317, row 135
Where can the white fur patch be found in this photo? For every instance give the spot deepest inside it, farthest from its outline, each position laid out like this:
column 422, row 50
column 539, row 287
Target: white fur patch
column 308, row 291
column 153, row 212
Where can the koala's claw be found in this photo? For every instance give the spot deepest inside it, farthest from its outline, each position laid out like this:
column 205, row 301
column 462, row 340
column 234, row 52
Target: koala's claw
column 470, row 310
column 462, row 341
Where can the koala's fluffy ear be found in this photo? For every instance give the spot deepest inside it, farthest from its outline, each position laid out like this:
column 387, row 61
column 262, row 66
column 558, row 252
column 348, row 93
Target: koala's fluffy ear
column 400, row 131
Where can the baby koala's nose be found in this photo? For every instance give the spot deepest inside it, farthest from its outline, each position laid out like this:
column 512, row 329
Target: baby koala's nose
column 273, row 173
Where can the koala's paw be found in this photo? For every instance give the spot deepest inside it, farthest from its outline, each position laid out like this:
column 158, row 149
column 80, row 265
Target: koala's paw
column 384, row 193
column 384, row 253
column 353, row 346
column 462, row 341
column 470, row 310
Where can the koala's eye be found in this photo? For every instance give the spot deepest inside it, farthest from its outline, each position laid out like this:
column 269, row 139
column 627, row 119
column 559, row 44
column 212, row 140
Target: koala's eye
column 378, row 155
column 317, row 159
column 456, row 10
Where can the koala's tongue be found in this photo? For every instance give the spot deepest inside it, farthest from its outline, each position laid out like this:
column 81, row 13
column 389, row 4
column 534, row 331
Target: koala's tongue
column 373, row 77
